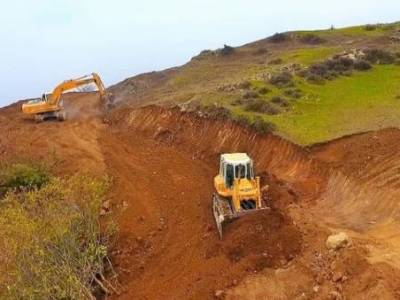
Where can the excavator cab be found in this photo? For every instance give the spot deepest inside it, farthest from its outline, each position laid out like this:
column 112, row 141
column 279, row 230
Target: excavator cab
column 237, row 189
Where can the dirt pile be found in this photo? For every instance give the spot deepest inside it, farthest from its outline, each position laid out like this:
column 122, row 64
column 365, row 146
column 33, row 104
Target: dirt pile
column 270, row 239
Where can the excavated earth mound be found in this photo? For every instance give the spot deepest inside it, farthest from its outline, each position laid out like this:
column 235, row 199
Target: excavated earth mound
column 163, row 161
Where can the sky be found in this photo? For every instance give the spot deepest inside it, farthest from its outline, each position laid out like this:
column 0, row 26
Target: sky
column 43, row 42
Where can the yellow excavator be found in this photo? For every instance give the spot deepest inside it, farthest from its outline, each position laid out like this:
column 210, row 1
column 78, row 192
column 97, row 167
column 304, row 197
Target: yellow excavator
column 51, row 106
column 237, row 189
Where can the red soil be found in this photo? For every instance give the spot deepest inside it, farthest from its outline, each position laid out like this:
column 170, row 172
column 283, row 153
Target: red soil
column 163, row 162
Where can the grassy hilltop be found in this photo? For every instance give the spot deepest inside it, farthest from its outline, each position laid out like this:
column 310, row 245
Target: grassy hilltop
column 309, row 86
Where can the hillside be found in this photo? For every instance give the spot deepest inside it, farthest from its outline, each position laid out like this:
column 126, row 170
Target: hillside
column 330, row 166
column 311, row 108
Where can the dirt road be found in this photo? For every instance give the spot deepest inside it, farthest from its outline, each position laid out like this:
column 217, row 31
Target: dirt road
column 162, row 163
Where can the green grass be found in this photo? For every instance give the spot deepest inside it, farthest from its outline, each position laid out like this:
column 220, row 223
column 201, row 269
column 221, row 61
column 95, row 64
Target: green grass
column 364, row 101
column 308, row 56
column 352, row 31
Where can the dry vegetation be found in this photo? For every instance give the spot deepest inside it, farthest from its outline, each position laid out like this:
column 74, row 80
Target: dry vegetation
column 50, row 236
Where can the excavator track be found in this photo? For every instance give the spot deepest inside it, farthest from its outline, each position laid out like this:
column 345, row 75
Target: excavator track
column 222, row 211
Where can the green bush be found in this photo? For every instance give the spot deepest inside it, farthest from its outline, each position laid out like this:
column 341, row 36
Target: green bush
column 294, row 93
column 215, row 111
column 280, row 101
column 23, row 176
column 282, row 79
column 51, row 242
column 379, row 56
column 261, row 106
column 340, row 66
column 251, row 95
column 262, row 125
column 257, row 123
column 264, row 90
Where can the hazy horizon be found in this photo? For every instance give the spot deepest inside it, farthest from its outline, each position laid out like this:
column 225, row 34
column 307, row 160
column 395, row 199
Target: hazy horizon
column 45, row 42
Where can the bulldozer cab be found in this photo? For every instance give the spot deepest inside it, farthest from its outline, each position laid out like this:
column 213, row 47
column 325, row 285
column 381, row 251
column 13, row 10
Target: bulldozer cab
column 236, row 166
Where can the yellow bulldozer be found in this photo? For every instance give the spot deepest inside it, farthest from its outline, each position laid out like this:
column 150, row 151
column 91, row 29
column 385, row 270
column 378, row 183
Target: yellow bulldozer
column 237, row 189
column 51, row 106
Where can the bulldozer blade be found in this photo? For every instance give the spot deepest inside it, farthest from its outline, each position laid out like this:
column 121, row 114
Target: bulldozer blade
column 218, row 216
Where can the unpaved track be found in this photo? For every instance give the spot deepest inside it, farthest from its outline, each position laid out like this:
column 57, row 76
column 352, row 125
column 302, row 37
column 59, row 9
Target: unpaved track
column 72, row 145
column 162, row 163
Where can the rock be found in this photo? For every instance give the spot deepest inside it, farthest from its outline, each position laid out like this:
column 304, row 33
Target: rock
column 337, row 277
column 106, row 205
column 316, row 289
column 219, row 294
column 125, row 204
column 335, row 295
column 103, row 212
column 337, row 241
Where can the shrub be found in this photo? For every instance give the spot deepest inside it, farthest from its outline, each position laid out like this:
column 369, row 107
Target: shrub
column 257, row 122
column 279, row 38
column 215, row 111
column 312, row 39
column 250, row 95
column 262, row 125
column 276, row 61
column 294, row 93
column 52, row 246
column 245, row 84
column 227, row 50
column 23, row 176
column 264, row 90
column 370, row 27
column 312, row 78
column 282, row 79
column 280, row 101
column 332, row 68
column 379, row 56
column 261, row 106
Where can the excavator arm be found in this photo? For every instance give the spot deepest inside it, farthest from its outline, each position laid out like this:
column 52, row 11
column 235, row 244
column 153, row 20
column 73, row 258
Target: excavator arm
column 50, row 105
column 75, row 83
